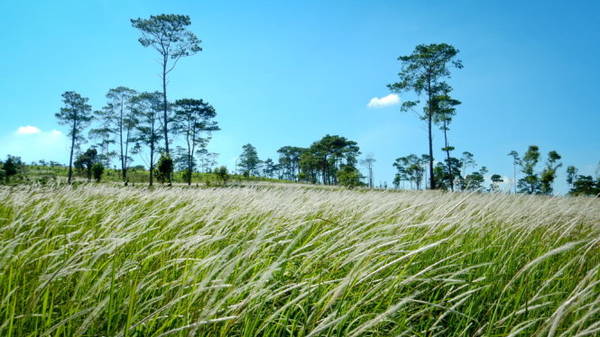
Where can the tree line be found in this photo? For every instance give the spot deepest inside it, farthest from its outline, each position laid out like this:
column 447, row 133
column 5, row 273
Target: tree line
column 134, row 122
column 331, row 160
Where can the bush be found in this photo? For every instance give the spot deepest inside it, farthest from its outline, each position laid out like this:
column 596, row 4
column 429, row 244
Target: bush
column 12, row 166
column 222, row 174
column 164, row 168
column 97, row 171
column 348, row 176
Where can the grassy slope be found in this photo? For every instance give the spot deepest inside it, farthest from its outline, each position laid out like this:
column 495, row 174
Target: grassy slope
column 291, row 261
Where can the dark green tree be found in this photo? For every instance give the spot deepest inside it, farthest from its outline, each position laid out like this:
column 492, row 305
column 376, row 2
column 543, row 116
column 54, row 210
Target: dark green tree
column 249, row 161
column 222, row 174
column 586, row 185
column 530, row 183
column 85, row 162
column 496, row 181
column 424, row 72
column 97, row 171
column 164, row 168
column 348, row 176
column 325, row 157
column 289, row 161
column 445, row 110
column 269, row 168
column 192, row 118
column 12, row 166
column 410, row 168
column 549, row 173
column 168, row 35
column 474, row 181
column 77, row 115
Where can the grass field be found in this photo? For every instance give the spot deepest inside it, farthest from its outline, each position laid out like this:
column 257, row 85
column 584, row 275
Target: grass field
column 295, row 261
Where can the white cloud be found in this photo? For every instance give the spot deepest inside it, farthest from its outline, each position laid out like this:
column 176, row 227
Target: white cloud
column 32, row 143
column 28, row 130
column 389, row 100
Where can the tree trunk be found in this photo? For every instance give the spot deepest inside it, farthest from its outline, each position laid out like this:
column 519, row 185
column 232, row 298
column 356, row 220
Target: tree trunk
column 123, row 174
column 73, row 136
column 451, row 175
column 429, row 135
column 165, row 113
column 151, row 160
column 430, row 138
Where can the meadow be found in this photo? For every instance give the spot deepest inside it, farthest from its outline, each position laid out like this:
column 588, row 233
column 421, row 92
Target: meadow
column 287, row 260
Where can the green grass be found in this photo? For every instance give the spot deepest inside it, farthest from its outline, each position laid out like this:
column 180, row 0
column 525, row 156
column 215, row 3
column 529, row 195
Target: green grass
column 46, row 175
column 292, row 261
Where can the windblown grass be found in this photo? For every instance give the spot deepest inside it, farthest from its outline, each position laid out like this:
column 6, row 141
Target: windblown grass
column 291, row 261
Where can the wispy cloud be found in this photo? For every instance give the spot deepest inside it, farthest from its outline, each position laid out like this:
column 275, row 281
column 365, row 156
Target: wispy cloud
column 381, row 102
column 28, row 130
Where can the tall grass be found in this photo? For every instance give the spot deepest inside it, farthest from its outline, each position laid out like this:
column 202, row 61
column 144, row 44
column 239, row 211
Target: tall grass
column 292, row 261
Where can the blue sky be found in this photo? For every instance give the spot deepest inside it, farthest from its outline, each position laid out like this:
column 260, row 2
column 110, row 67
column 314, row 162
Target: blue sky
column 289, row 72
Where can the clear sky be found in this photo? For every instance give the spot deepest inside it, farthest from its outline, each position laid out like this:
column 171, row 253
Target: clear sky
column 289, row 72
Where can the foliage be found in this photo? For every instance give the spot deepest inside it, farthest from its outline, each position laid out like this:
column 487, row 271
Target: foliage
column 424, row 72
column 289, row 161
column 270, row 168
column 146, row 108
column 348, row 176
column 97, row 171
column 168, row 35
column 585, row 185
column 192, row 117
column 12, row 166
column 248, row 161
column 322, row 160
column 533, row 182
column 118, row 122
column 85, row 162
column 222, row 174
column 410, row 168
column 164, row 168
column 77, row 115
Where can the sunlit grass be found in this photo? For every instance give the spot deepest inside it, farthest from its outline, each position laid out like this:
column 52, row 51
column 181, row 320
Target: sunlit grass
column 294, row 261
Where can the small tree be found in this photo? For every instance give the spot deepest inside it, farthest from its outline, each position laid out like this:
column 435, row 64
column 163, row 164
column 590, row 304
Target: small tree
column 348, row 176
column 192, row 117
column 164, row 168
column 269, row 168
column 496, row 181
column 530, row 183
column 86, row 161
column 11, row 167
column 77, row 114
column 97, row 171
column 222, row 174
column 248, row 161
column 549, row 173
column 586, row 185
